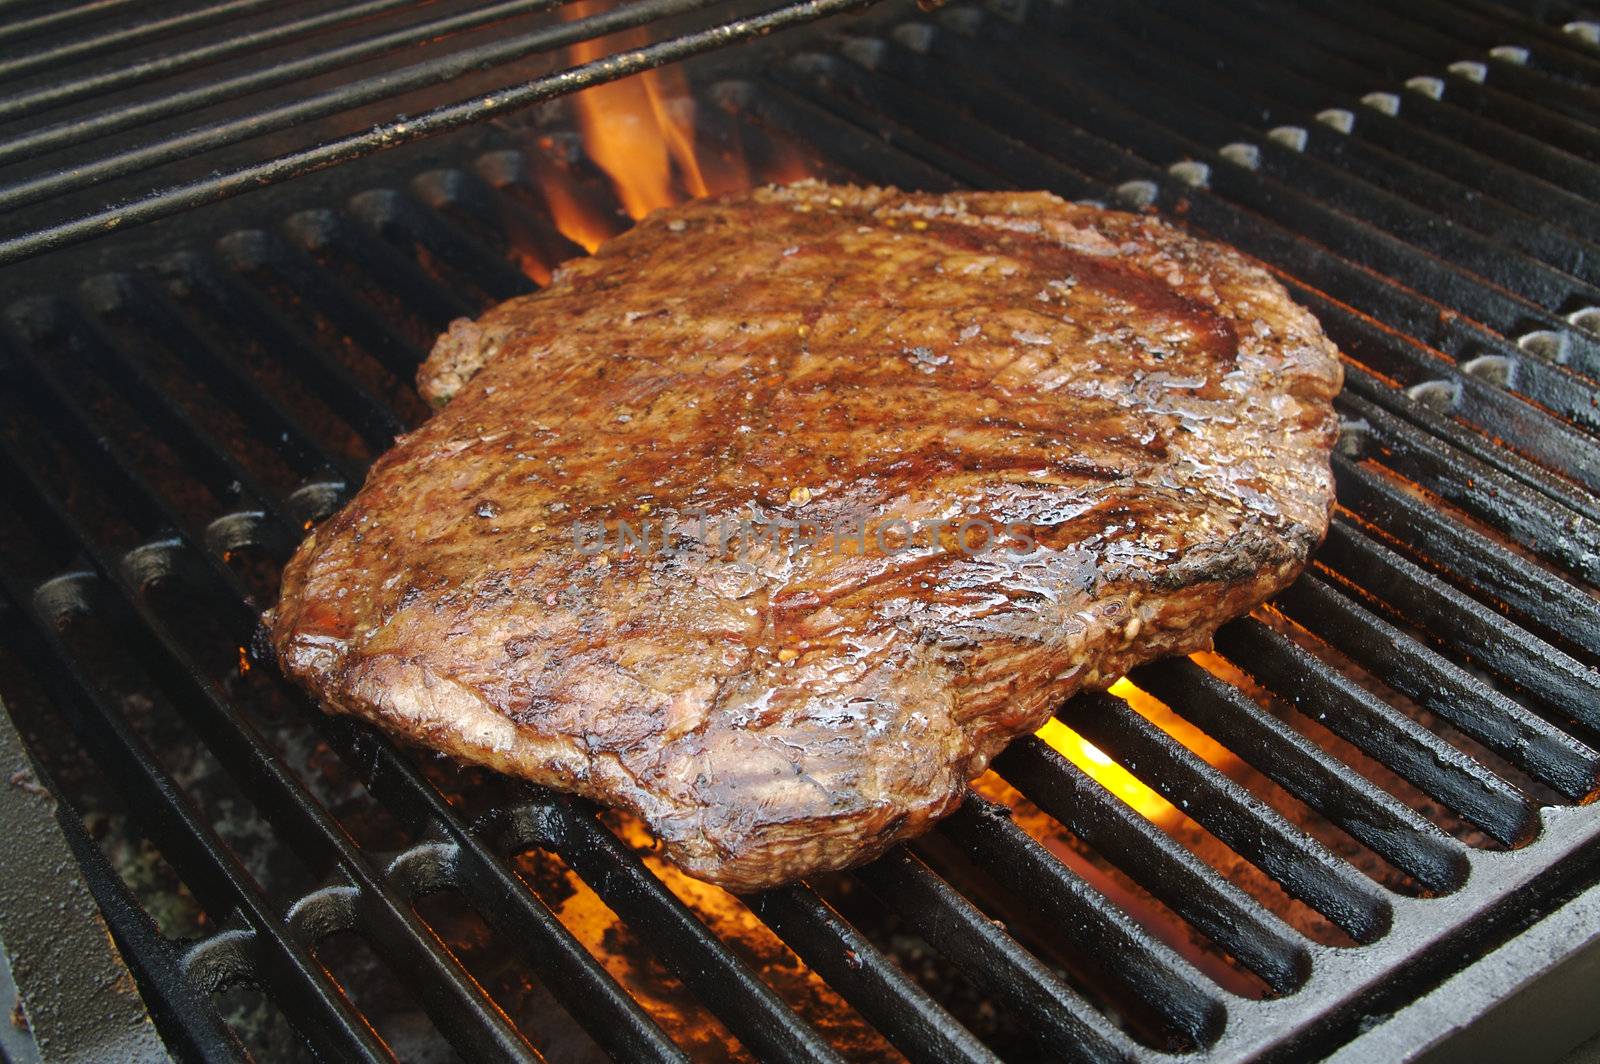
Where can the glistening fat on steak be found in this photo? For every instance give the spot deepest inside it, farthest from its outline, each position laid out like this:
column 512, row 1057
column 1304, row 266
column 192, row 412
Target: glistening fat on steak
column 1125, row 432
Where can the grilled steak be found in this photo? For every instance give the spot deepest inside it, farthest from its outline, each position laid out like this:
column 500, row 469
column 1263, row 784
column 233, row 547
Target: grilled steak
column 928, row 465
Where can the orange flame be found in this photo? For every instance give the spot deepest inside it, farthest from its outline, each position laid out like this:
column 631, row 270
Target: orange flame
column 1118, row 780
column 636, row 128
column 641, row 133
column 578, row 222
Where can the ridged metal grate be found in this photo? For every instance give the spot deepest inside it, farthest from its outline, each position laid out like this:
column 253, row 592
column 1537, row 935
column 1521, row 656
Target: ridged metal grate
column 58, row 147
column 1411, row 728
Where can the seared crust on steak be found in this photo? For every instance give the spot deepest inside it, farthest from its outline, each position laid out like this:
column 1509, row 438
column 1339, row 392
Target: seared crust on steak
column 1152, row 409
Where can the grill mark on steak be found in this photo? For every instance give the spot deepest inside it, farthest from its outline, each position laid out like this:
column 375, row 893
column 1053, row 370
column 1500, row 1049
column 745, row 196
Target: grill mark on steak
column 1153, row 408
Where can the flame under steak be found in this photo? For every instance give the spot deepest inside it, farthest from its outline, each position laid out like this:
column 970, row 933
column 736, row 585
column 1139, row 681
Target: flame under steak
column 1126, row 430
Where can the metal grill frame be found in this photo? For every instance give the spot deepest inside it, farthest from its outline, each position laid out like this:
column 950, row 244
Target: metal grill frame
column 880, row 84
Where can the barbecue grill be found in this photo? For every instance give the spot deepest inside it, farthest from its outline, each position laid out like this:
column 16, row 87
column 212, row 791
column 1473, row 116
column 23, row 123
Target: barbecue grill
column 1361, row 828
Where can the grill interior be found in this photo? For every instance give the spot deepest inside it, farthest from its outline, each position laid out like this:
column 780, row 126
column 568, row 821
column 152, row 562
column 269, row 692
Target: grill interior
column 1254, row 852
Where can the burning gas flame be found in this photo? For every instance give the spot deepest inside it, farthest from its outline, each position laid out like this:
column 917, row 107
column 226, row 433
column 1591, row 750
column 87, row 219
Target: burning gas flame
column 1118, row 780
column 579, row 222
column 635, row 129
column 641, row 133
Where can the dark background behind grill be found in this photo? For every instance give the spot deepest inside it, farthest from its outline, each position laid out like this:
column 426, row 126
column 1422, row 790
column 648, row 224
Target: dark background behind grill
column 177, row 406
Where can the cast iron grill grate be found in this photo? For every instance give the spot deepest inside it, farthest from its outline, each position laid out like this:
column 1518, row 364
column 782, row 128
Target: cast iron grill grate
column 303, row 90
column 1409, row 732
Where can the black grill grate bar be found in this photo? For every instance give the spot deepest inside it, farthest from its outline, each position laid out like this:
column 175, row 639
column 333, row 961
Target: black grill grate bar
column 1475, row 232
column 35, row 25
column 1443, row 687
column 1466, row 626
column 228, row 300
column 329, row 234
column 1562, row 610
column 1495, row 176
column 221, row 477
column 387, row 922
column 1515, row 251
column 204, row 862
column 1444, row 390
column 1562, row 526
column 183, row 1015
column 623, row 1026
column 164, row 65
column 1469, row 557
column 493, row 196
column 217, row 365
column 1353, row 48
column 620, row 1022
column 832, row 74
column 1515, row 95
column 1158, row 863
column 1439, row 442
column 111, row 40
column 1356, row 715
column 346, row 97
column 1517, row 211
column 380, row 915
column 1064, row 1025
column 1076, row 70
column 578, row 981
column 293, row 976
column 1436, row 162
column 872, row 983
column 401, row 221
column 1557, row 43
column 1439, row 232
column 1103, row 134
column 727, row 985
column 1512, row 97
column 1443, row 24
column 129, row 487
column 1247, row 825
column 866, row 154
column 269, row 421
column 1369, row 815
column 432, row 122
column 1264, row 70
column 247, row 252
column 1400, row 52
column 1154, row 143
column 1119, row 948
column 1549, row 438
column 243, row 309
